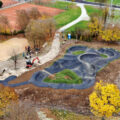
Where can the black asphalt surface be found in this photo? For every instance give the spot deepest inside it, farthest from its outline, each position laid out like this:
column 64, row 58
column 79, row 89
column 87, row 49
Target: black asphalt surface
column 93, row 3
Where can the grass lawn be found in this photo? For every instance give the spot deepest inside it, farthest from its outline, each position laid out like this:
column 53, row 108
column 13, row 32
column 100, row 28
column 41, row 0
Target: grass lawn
column 60, row 5
column 66, row 76
column 84, row 24
column 68, row 16
column 103, row 55
column 66, row 115
column 78, row 52
column 115, row 2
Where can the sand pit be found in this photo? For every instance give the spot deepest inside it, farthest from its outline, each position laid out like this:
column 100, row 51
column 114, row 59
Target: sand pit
column 11, row 12
column 14, row 44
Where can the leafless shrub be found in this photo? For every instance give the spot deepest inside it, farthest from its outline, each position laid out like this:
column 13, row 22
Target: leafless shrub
column 14, row 57
column 4, row 24
column 20, row 111
column 38, row 31
column 34, row 14
column 22, row 19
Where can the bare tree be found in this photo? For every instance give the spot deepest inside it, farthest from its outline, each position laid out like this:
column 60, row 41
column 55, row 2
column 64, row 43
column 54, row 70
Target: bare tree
column 4, row 23
column 14, row 57
column 38, row 31
column 51, row 26
column 22, row 19
column 34, row 13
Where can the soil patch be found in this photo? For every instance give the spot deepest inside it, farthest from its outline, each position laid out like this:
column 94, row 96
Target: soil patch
column 74, row 100
column 11, row 12
column 11, row 47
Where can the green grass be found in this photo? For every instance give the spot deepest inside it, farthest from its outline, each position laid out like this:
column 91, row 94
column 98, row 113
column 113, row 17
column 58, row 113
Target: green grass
column 103, row 55
column 68, row 16
column 78, row 52
column 56, row 4
column 84, row 24
column 67, row 115
column 91, row 10
column 66, row 76
column 60, row 5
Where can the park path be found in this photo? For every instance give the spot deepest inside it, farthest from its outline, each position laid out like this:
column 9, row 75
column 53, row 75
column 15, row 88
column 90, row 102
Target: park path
column 54, row 51
column 55, row 48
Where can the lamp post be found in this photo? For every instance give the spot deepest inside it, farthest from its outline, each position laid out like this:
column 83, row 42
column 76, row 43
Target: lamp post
column 111, row 7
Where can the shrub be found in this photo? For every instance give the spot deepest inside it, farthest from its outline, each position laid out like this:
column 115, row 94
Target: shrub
column 38, row 36
column 7, row 95
column 105, row 100
column 20, row 111
column 1, row 3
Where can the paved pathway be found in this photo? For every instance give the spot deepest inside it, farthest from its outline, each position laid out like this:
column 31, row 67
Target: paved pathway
column 56, row 42
column 55, row 48
column 95, row 4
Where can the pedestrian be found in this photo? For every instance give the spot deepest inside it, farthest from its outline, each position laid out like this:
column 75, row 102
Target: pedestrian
column 23, row 54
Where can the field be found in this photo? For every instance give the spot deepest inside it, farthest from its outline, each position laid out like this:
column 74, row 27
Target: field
column 11, row 12
column 71, row 12
column 68, row 16
column 84, row 24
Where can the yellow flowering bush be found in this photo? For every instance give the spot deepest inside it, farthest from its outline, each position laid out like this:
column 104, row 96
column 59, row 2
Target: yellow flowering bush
column 5, row 30
column 95, row 26
column 110, row 34
column 105, row 100
column 7, row 95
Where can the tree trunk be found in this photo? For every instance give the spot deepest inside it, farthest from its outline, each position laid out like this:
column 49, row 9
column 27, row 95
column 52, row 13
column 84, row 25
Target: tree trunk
column 102, row 118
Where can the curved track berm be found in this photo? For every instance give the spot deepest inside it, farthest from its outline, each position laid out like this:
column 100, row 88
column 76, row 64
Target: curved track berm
column 85, row 65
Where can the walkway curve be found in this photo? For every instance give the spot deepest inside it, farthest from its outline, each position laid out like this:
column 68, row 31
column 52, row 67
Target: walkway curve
column 85, row 65
column 55, row 48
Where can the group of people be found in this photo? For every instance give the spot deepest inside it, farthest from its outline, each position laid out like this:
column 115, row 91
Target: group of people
column 28, row 57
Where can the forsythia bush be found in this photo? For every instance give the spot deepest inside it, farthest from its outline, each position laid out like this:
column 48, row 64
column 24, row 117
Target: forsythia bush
column 105, row 100
column 110, row 35
column 95, row 26
column 7, row 95
column 4, row 30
